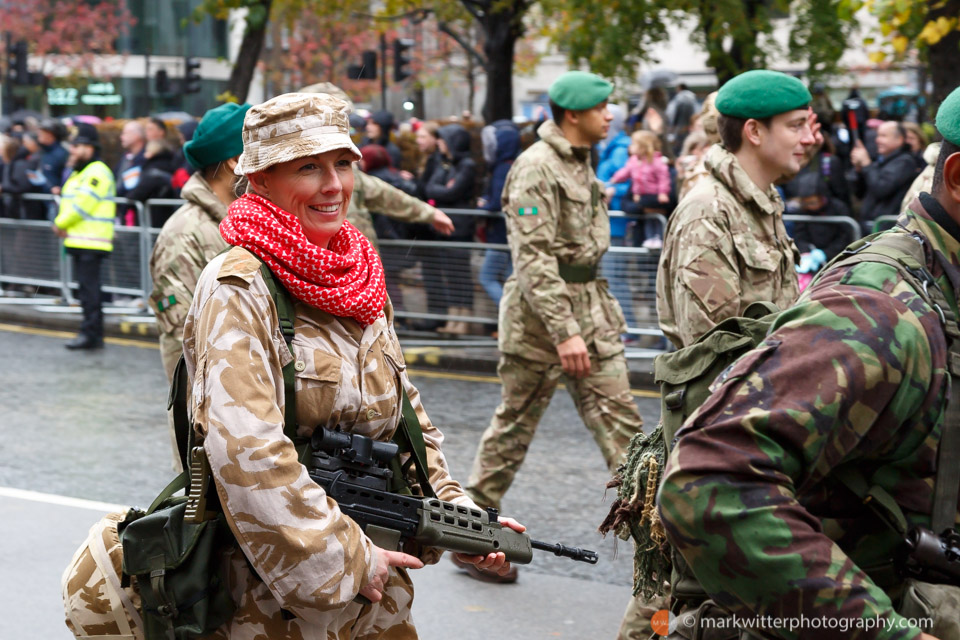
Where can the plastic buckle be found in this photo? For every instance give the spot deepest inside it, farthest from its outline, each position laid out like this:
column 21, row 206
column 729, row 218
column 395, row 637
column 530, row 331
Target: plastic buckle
column 849, row 252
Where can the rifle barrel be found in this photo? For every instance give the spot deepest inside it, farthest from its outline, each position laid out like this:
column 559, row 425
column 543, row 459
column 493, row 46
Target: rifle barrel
column 574, row 553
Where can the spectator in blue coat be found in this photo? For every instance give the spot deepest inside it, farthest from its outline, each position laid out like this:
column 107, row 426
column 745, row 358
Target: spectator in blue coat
column 501, row 146
column 614, row 154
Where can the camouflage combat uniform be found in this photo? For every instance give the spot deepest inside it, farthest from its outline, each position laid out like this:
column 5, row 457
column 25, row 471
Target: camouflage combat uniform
column 725, row 247
column 188, row 241
column 924, row 181
column 309, row 559
column 555, row 217
column 370, row 193
column 855, row 373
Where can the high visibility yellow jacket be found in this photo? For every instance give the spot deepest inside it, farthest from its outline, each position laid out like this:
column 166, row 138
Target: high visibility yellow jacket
column 85, row 213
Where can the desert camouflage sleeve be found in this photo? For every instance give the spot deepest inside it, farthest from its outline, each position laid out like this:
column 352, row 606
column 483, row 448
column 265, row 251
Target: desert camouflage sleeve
column 531, row 205
column 390, row 201
column 311, row 557
column 844, row 374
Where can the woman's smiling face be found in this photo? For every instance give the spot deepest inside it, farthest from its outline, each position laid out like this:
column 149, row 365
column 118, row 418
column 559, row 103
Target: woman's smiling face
column 316, row 189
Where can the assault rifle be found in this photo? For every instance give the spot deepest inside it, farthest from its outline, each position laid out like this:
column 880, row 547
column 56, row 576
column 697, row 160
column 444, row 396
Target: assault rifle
column 354, row 471
column 932, row 558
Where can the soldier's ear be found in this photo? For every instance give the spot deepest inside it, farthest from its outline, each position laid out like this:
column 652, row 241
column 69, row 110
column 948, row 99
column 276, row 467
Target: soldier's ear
column 951, row 176
column 751, row 131
column 258, row 181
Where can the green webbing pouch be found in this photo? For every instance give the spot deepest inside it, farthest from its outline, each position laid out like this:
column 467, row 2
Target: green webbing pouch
column 178, row 564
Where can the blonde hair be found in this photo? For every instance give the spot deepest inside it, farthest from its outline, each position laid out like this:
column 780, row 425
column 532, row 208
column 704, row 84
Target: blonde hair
column 694, row 140
column 644, row 143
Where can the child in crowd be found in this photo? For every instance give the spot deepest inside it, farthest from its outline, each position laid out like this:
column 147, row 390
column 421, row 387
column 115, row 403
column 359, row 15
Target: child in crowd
column 649, row 179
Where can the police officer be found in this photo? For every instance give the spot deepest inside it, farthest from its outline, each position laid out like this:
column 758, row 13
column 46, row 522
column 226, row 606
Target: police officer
column 726, row 245
column 191, row 237
column 85, row 223
column 556, row 317
column 760, row 494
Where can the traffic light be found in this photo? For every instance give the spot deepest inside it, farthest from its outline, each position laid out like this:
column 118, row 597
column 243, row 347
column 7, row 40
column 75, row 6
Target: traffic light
column 191, row 78
column 17, row 62
column 400, row 59
column 161, row 82
column 366, row 70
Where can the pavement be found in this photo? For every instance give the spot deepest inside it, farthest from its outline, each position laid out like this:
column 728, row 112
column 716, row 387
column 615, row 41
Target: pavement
column 467, row 354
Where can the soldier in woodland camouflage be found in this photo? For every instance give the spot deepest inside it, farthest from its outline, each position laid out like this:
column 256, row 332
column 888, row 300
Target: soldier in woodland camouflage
column 556, row 318
column 855, row 375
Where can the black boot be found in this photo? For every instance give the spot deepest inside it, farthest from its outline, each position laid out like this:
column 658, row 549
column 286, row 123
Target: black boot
column 84, row 342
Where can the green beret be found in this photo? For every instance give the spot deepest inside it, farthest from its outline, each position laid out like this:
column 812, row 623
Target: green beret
column 761, row 94
column 218, row 136
column 948, row 117
column 578, row 90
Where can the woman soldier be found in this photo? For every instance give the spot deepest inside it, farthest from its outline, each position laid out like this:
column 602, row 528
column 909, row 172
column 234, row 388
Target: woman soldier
column 296, row 552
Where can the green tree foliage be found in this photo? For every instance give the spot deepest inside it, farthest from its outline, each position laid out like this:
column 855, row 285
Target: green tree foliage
column 737, row 35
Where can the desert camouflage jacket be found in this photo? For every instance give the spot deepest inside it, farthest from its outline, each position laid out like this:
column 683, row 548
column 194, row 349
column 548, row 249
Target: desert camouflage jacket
column 853, row 374
column 373, row 194
column 555, row 215
column 725, row 247
column 187, row 242
column 310, row 559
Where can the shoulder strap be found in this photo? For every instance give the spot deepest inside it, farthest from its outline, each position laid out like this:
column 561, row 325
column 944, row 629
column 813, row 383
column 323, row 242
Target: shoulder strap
column 177, row 399
column 904, row 252
column 409, row 437
column 286, row 314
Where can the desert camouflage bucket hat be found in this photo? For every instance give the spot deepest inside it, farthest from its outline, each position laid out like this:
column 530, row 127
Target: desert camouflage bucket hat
column 292, row 126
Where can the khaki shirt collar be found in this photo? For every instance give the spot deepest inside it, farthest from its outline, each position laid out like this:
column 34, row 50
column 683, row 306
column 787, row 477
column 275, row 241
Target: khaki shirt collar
column 725, row 167
column 198, row 191
column 552, row 134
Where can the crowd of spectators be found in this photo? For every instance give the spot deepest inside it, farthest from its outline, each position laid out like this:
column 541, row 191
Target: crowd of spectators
column 649, row 160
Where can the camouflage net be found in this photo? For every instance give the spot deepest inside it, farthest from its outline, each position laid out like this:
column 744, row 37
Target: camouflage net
column 634, row 512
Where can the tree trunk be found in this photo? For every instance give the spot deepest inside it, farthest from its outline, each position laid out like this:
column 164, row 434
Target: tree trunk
column 944, row 70
column 502, row 27
column 242, row 73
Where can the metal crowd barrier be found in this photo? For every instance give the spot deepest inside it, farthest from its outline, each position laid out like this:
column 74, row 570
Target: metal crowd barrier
column 428, row 277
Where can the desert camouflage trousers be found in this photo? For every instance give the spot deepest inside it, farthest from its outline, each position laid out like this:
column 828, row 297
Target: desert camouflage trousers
column 602, row 399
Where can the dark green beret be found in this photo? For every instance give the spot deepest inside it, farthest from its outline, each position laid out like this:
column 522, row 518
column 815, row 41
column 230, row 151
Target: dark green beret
column 948, row 117
column 578, row 90
column 218, row 136
column 761, row 94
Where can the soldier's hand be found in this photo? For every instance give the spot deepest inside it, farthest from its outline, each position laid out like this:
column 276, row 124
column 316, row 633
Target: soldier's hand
column 495, row 562
column 574, row 357
column 373, row 590
column 927, row 636
column 442, row 223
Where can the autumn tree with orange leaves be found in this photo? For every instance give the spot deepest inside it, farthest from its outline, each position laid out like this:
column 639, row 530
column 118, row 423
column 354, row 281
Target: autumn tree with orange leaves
column 73, row 38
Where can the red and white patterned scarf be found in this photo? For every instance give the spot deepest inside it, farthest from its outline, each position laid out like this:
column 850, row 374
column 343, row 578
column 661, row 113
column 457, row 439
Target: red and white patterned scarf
column 345, row 280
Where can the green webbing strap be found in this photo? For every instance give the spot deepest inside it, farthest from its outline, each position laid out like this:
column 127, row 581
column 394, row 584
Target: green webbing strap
column 409, row 437
column 177, row 484
column 286, row 314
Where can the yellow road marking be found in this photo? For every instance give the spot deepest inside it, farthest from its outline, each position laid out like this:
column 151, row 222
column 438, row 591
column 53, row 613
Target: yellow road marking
column 50, row 333
column 423, row 373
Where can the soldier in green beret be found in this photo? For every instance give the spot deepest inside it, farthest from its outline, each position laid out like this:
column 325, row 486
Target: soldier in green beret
column 726, row 245
column 557, row 319
column 790, row 490
column 190, row 238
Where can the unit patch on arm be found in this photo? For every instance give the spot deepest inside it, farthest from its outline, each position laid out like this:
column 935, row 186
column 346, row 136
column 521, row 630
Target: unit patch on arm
column 165, row 303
